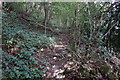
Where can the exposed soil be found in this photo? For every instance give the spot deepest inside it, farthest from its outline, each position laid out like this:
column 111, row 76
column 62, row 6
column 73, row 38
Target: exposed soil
column 56, row 59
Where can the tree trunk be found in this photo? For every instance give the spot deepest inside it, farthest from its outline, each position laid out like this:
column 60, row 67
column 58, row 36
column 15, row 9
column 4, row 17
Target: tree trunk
column 46, row 15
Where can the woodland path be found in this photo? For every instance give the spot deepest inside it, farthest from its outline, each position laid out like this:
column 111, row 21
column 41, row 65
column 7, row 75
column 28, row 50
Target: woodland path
column 57, row 59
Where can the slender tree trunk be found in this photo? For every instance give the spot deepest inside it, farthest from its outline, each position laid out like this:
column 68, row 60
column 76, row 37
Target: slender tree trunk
column 46, row 15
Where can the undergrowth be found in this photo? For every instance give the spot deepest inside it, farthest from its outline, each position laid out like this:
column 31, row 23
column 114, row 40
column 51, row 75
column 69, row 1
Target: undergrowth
column 20, row 44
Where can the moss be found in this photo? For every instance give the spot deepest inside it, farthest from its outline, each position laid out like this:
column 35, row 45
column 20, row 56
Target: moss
column 82, row 69
column 104, row 69
column 93, row 71
column 112, row 76
column 85, row 75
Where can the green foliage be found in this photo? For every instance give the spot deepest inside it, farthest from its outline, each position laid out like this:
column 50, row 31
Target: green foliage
column 16, row 6
column 21, row 65
column 93, row 36
column 113, row 27
column 104, row 69
column 19, row 46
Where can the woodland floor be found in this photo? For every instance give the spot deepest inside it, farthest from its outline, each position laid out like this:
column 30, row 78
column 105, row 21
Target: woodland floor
column 60, row 64
column 58, row 58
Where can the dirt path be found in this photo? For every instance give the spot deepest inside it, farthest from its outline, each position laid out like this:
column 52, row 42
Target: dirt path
column 56, row 60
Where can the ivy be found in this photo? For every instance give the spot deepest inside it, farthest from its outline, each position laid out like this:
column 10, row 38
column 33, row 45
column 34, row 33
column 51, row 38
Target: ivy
column 19, row 61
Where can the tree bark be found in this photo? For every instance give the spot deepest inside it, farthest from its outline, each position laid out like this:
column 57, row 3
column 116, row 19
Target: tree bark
column 46, row 15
